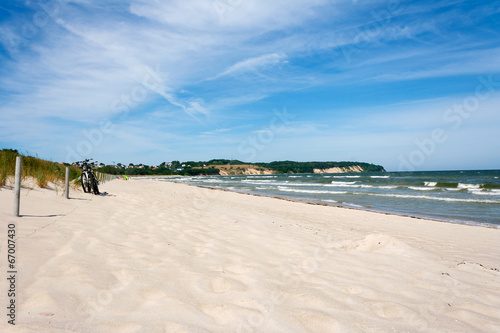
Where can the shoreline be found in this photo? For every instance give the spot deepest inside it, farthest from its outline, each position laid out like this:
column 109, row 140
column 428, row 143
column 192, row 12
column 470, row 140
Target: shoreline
column 361, row 208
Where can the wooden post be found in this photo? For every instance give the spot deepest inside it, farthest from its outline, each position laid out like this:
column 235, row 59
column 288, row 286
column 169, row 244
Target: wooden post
column 67, row 182
column 17, row 185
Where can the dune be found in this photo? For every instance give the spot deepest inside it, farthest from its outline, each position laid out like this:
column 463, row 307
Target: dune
column 152, row 256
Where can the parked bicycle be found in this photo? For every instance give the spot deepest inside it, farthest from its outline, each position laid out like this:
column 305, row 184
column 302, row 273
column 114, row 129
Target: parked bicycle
column 88, row 178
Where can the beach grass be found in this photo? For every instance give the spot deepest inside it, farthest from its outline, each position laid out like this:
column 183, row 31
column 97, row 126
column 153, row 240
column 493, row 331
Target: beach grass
column 44, row 172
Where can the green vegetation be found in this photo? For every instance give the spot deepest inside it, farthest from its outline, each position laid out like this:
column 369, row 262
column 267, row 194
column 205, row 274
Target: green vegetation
column 198, row 172
column 42, row 171
column 308, row 167
column 213, row 167
column 224, row 162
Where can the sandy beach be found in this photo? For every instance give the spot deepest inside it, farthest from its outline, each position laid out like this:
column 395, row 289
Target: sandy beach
column 153, row 256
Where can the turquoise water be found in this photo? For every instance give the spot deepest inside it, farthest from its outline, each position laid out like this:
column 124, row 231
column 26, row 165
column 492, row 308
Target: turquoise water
column 469, row 197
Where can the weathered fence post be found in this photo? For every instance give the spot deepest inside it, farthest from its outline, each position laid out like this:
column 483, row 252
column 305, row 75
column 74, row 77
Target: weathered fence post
column 67, row 182
column 17, row 185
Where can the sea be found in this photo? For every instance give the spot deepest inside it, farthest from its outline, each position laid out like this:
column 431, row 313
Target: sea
column 466, row 197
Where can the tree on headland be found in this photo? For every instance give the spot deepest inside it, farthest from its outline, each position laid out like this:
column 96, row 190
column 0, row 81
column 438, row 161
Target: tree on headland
column 308, row 167
column 193, row 168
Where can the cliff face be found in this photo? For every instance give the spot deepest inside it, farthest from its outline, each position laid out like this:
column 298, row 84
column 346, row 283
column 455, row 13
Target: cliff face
column 353, row 168
column 225, row 170
column 245, row 172
column 294, row 167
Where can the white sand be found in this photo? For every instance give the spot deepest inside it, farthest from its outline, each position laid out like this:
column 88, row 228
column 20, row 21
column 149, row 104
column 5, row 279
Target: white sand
column 162, row 257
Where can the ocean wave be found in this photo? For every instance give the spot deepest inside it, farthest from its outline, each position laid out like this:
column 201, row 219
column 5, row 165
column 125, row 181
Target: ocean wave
column 354, row 184
column 419, row 188
column 277, row 183
column 345, row 204
column 261, row 181
column 345, row 176
column 380, row 176
column 426, row 197
column 352, row 205
column 445, row 184
column 215, row 181
column 491, row 186
column 330, row 200
column 468, row 186
column 183, row 180
column 449, row 185
column 287, row 189
column 334, row 183
column 350, row 186
column 479, row 192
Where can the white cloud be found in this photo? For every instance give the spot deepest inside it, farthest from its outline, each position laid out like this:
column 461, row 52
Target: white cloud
column 253, row 64
column 216, row 132
column 230, row 15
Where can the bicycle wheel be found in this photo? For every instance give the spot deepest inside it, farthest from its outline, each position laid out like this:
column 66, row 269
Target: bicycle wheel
column 95, row 188
column 85, row 182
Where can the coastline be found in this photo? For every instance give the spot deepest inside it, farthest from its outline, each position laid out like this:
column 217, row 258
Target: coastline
column 349, row 206
column 364, row 209
column 161, row 256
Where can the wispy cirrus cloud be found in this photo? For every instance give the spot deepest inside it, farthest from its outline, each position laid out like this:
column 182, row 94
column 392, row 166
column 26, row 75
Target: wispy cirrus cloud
column 253, row 64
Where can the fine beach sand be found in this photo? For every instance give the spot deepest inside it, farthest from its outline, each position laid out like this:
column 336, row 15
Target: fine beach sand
column 153, row 256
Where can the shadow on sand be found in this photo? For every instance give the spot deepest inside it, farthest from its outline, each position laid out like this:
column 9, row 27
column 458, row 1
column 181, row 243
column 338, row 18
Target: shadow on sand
column 52, row 215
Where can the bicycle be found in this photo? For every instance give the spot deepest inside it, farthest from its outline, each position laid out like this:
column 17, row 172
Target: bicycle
column 88, row 178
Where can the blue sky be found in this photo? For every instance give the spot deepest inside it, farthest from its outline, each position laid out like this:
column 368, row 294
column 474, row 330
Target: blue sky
column 410, row 85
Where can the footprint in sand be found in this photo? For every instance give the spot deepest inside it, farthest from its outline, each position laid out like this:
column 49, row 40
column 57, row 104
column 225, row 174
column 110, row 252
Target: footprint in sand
column 319, row 321
column 203, row 250
column 66, row 249
column 223, row 284
column 394, row 312
column 377, row 243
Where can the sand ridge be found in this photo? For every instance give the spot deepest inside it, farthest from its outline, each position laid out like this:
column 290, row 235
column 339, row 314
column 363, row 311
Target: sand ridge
column 153, row 256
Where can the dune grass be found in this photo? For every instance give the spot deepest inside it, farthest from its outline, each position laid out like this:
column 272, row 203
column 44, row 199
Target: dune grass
column 44, row 172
